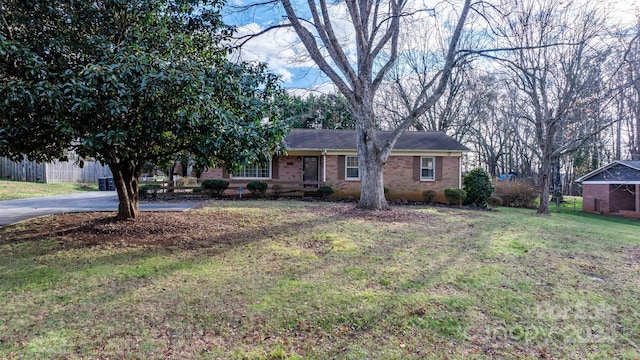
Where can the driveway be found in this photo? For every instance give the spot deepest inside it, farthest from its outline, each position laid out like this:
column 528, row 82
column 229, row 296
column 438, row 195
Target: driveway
column 13, row 211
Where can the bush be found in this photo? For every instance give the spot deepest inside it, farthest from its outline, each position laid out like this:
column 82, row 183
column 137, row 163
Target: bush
column 494, row 201
column 455, row 196
column 518, row 194
column 215, row 187
column 184, row 181
column 386, row 190
column 477, row 184
column 325, row 191
column 148, row 190
column 257, row 188
column 429, row 196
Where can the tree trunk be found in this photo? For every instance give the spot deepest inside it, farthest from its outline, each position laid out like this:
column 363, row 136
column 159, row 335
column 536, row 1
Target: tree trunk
column 371, row 180
column 370, row 159
column 125, row 178
column 556, row 179
column 545, row 173
column 171, row 169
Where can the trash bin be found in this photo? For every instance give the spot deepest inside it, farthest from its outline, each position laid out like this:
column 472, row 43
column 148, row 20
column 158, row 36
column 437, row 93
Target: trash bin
column 102, row 184
column 110, row 184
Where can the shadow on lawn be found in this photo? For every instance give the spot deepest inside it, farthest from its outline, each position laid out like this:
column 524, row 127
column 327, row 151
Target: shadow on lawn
column 210, row 235
column 157, row 234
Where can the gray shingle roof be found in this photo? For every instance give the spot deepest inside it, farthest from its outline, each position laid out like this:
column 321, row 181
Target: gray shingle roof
column 310, row 139
column 616, row 172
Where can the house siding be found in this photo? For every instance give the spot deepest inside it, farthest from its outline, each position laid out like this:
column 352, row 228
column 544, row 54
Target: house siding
column 398, row 177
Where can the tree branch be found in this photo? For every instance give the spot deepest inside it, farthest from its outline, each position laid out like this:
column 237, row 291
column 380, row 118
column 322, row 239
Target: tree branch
column 246, row 38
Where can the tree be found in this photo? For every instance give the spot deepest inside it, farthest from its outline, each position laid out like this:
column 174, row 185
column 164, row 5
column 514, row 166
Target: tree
column 630, row 96
column 325, row 111
column 375, row 31
column 556, row 64
column 130, row 82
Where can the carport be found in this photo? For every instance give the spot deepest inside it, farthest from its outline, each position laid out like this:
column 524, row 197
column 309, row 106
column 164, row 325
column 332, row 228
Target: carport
column 613, row 189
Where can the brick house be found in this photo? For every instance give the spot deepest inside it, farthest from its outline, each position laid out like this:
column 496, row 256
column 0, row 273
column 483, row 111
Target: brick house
column 613, row 189
column 420, row 161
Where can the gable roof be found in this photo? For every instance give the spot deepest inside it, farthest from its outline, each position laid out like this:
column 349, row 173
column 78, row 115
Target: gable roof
column 312, row 139
column 616, row 172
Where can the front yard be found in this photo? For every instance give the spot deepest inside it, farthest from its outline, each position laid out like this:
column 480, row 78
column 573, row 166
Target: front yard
column 293, row 279
column 10, row 190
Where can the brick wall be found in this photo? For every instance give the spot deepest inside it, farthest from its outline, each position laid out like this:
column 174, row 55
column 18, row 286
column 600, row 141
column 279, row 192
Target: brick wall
column 595, row 198
column 398, row 177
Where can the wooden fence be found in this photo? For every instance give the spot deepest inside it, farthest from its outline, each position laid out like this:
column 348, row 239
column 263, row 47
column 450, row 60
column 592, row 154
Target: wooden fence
column 54, row 172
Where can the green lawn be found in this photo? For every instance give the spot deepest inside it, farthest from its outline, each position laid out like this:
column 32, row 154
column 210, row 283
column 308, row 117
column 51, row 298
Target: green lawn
column 287, row 279
column 10, row 190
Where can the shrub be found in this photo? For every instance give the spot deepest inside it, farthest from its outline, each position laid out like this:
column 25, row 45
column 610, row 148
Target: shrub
column 518, row 194
column 184, row 181
column 429, row 196
column 148, row 190
column 215, row 187
column 386, row 190
column 325, row 191
column 455, row 196
column 258, row 188
column 494, row 201
column 477, row 184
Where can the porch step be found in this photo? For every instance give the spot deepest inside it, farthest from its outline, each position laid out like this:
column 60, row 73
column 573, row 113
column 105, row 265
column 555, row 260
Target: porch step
column 311, row 193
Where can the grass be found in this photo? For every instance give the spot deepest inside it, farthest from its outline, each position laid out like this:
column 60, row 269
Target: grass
column 10, row 190
column 304, row 281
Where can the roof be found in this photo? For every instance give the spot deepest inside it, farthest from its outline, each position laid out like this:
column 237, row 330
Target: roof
column 616, row 172
column 311, row 139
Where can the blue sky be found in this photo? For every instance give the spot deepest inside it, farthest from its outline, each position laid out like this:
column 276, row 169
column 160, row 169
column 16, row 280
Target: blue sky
column 275, row 48
column 286, row 57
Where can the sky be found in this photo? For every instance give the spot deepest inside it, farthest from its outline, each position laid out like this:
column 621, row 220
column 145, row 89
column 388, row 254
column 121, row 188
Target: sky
column 287, row 58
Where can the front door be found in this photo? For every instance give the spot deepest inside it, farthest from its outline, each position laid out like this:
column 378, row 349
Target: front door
column 310, row 171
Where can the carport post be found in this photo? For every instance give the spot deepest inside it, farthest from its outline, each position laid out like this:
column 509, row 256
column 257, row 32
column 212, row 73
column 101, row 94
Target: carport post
column 638, row 198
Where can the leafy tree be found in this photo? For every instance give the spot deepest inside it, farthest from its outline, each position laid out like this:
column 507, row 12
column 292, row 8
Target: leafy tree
column 326, row 111
column 130, row 82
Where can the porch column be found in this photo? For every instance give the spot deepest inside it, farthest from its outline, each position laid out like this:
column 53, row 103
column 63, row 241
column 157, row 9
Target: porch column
column 324, row 167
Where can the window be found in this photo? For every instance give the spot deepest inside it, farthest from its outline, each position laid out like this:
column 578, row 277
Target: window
column 254, row 171
column 351, row 168
column 427, row 168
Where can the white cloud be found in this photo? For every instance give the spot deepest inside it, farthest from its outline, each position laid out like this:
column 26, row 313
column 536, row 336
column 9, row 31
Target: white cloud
column 280, row 48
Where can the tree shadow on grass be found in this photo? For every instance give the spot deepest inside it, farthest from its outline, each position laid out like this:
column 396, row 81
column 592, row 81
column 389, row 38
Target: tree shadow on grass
column 205, row 236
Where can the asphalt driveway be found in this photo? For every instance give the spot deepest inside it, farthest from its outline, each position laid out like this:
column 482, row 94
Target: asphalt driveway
column 13, row 211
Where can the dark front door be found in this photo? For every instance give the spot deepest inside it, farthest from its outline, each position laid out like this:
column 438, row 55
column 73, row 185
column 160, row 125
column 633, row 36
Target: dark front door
column 310, row 171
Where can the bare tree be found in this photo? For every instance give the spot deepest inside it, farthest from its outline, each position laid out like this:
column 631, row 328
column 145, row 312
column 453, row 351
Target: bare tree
column 357, row 52
column 631, row 92
column 556, row 65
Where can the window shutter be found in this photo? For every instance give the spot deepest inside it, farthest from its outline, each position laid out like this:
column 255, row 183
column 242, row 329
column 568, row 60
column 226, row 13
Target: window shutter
column 225, row 174
column 275, row 174
column 416, row 168
column 438, row 168
column 341, row 167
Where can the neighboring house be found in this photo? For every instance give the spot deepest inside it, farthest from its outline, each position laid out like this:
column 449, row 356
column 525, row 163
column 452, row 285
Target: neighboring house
column 420, row 161
column 54, row 172
column 613, row 189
